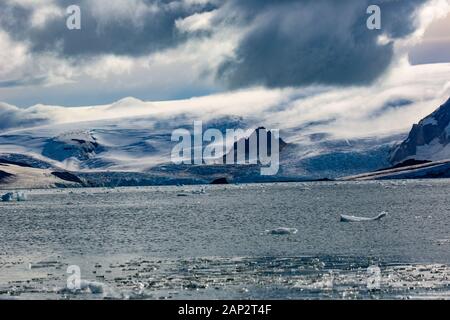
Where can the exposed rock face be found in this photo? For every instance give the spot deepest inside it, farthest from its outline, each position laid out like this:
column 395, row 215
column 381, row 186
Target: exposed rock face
column 19, row 177
column 79, row 145
column 220, row 181
column 24, row 161
column 5, row 176
column 258, row 133
column 21, row 164
column 428, row 140
column 67, row 176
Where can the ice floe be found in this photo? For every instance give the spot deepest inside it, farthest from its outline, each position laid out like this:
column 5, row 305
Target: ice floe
column 201, row 191
column 7, row 197
column 14, row 196
column 86, row 286
column 236, row 278
column 345, row 218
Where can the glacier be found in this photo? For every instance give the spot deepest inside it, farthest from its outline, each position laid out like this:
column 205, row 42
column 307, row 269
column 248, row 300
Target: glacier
column 330, row 133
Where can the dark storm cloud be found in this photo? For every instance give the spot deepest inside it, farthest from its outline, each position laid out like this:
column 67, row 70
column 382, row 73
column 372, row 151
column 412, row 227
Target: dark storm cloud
column 301, row 42
column 148, row 29
column 284, row 42
column 22, row 82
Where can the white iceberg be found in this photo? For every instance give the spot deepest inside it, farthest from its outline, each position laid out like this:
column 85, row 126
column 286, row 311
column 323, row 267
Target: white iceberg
column 21, row 196
column 345, row 218
column 93, row 287
column 86, row 286
column 8, row 197
column 14, row 196
column 201, row 191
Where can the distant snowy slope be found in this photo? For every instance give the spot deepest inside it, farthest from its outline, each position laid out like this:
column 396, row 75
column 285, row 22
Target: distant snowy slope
column 19, row 177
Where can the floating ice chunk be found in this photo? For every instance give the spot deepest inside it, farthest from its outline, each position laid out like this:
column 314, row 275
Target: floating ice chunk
column 345, row 218
column 8, row 197
column 21, row 196
column 93, row 287
column 43, row 264
column 201, row 191
column 14, row 196
column 86, row 287
column 442, row 242
column 282, row 231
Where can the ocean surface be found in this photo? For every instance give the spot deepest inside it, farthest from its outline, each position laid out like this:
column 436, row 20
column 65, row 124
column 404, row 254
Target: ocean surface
column 215, row 242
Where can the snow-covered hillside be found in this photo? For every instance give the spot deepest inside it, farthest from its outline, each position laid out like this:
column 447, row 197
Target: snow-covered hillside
column 429, row 139
column 22, row 177
column 329, row 132
column 134, row 145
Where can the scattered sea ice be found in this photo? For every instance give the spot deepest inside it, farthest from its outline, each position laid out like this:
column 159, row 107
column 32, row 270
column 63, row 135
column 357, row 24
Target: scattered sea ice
column 87, row 287
column 14, row 196
column 8, row 197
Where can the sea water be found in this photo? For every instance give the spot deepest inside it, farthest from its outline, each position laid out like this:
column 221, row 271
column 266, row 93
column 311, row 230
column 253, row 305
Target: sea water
column 153, row 243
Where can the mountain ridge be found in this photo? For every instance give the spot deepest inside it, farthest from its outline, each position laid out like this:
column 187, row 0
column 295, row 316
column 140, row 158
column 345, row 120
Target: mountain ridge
column 134, row 152
column 427, row 140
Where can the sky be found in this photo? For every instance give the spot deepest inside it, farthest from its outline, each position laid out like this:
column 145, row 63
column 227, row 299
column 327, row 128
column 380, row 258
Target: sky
column 434, row 46
column 157, row 50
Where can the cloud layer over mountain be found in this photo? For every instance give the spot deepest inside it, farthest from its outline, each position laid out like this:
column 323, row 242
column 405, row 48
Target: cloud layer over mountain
column 390, row 106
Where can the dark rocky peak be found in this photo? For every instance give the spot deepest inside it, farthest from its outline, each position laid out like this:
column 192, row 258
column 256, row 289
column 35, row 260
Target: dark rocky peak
column 435, row 128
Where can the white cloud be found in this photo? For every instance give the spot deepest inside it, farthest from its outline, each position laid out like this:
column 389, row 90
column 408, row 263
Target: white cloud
column 391, row 106
column 13, row 56
column 434, row 10
column 109, row 65
column 196, row 22
column 42, row 10
column 183, row 68
column 119, row 11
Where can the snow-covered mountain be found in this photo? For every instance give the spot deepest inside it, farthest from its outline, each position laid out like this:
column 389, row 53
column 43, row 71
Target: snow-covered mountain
column 424, row 154
column 326, row 133
column 244, row 143
column 428, row 140
column 134, row 151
